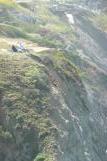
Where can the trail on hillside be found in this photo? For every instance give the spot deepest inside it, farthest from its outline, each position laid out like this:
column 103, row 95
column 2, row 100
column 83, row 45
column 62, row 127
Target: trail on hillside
column 6, row 44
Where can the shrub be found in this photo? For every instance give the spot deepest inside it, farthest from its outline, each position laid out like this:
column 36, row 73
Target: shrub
column 40, row 157
column 5, row 136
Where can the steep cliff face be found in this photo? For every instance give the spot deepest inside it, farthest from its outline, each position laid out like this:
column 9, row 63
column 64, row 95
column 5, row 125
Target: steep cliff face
column 96, row 4
column 53, row 95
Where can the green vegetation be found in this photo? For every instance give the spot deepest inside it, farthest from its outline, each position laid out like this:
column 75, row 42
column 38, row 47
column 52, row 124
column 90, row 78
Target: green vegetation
column 25, row 97
column 7, row 2
column 24, row 80
column 45, row 28
column 5, row 136
column 100, row 21
column 11, row 31
column 62, row 63
column 40, row 157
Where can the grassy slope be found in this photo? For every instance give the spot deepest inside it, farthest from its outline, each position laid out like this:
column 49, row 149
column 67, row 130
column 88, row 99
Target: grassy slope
column 24, row 87
column 47, row 26
column 24, row 82
column 100, row 21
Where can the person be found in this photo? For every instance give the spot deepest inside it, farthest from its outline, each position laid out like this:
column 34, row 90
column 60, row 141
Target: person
column 21, row 47
column 14, row 49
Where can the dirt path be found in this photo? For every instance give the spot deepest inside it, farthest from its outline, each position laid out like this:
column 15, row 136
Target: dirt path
column 6, row 43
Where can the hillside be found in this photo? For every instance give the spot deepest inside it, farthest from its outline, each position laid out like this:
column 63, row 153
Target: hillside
column 29, row 81
column 52, row 95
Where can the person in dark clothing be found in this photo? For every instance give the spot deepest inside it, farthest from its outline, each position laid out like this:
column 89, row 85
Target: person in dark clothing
column 14, row 49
